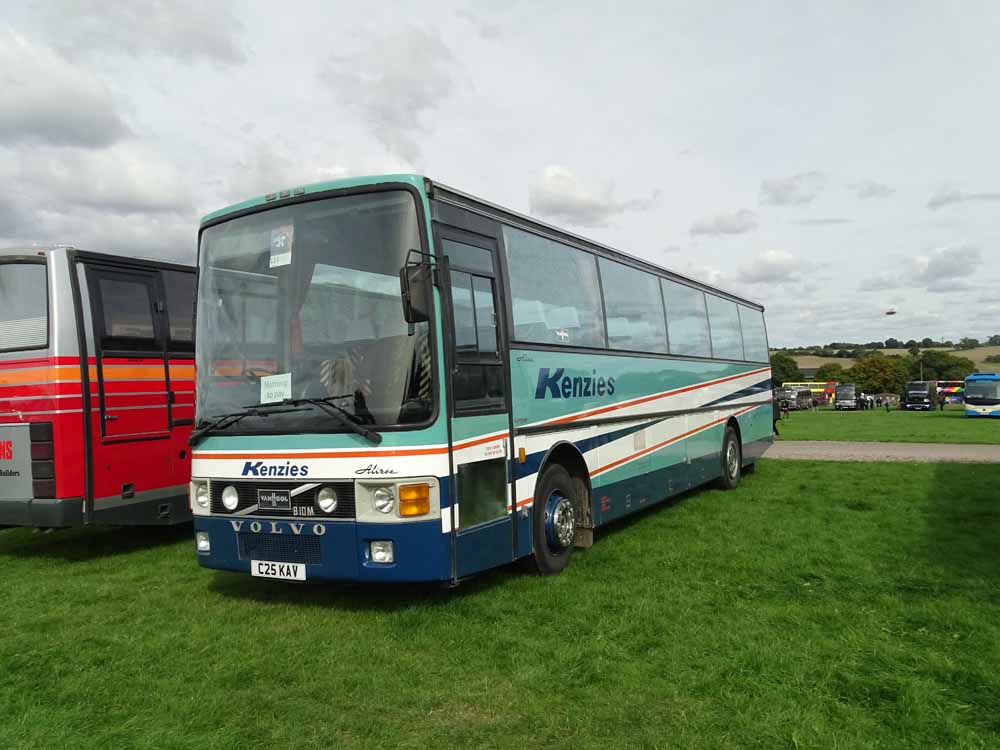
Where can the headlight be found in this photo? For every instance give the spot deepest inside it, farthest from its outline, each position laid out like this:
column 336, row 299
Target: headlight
column 384, row 499
column 230, row 498
column 326, row 500
column 202, row 542
column 382, row 552
column 201, row 494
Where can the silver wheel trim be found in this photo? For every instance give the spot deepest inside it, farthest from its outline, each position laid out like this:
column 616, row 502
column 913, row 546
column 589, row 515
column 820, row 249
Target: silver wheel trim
column 564, row 522
column 732, row 459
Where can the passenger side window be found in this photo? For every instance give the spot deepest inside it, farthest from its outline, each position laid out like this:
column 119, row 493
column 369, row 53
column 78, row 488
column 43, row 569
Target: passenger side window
column 754, row 334
column 127, row 317
column 179, row 288
column 727, row 339
column 634, row 309
column 687, row 319
column 555, row 292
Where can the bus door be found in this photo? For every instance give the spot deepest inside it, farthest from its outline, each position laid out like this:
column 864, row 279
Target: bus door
column 129, row 374
column 482, row 528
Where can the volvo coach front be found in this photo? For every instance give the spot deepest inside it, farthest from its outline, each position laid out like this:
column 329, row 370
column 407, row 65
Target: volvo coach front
column 317, row 446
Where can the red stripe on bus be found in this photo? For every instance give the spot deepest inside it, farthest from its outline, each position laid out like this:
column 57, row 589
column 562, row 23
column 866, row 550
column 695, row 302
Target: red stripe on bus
column 654, row 397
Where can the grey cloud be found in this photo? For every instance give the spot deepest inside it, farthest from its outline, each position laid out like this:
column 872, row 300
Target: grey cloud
column 560, row 195
column 822, row 222
column 880, row 282
column 740, row 222
column 670, row 249
column 125, row 199
column 48, row 100
column 949, row 285
column 951, row 262
column 124, row 179
column 185, row 30
column 485, row 28
column 771, row 266
column 871, row 189
column 951, row 196
column 796, row 190
column 393, row 81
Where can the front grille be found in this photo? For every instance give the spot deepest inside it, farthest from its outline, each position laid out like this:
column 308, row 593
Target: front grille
column 303, row 504
column 305, row 550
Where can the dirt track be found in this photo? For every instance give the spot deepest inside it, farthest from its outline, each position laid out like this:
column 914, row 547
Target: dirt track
column 829, row 450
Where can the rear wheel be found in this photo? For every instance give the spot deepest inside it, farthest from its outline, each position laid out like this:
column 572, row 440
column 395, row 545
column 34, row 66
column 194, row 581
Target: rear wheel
column 554, row 520
column 732, row 460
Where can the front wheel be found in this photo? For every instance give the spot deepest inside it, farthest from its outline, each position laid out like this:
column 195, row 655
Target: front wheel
column 732, row 460
column 554, row 520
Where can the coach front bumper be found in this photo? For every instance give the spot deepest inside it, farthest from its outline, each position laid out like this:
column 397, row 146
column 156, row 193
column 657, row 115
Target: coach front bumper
column 329, row 550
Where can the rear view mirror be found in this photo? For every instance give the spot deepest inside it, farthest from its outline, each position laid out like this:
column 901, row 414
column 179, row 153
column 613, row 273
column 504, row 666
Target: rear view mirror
column 415, row 290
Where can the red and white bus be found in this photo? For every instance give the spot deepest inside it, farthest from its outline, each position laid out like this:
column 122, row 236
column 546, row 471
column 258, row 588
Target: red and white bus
column 96, row 388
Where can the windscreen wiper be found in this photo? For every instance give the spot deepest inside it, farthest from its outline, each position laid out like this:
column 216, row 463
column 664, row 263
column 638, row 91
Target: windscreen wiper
column 341, row 415
column 228, row 420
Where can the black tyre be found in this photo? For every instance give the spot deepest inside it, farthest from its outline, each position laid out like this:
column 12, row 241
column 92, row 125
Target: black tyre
column 732, row 460
column 554, row 525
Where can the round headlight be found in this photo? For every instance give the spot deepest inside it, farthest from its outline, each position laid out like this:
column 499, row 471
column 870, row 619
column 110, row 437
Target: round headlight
column 201, row 495
column 326, row 499
column 384, row 499
column 230, row 498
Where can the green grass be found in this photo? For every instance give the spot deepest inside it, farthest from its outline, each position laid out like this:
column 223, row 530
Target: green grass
column 820, row 605
column 948, row 426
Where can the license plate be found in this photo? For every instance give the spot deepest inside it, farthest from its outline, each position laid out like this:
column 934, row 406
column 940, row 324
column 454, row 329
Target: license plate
column 274, row 500
column 284, row 571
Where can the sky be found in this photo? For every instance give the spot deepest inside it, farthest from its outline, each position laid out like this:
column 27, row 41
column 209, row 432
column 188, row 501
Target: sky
column 831, row 162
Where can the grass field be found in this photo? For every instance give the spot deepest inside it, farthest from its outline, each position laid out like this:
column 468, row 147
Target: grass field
column 818, row 606
column 949, row 426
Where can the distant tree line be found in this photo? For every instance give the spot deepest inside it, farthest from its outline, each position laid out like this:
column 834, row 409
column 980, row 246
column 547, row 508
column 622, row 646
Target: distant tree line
column 877, row 372
column 854, row 350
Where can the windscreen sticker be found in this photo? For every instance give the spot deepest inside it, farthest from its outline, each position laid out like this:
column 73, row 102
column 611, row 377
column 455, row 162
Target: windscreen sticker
column 275, row 388
column 281, row 245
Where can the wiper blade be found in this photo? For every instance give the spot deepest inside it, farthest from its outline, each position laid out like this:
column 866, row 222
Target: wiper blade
column 342, row 415
column 225, row 421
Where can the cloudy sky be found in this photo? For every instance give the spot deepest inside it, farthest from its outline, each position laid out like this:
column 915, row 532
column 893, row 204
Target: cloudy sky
column 830, row 162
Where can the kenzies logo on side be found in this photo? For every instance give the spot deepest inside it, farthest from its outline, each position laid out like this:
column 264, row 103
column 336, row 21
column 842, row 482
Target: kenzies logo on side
column 260, row 469
column 560, row 385
column 6, row 450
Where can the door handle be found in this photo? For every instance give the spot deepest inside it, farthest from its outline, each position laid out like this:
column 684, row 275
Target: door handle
column 109, row 417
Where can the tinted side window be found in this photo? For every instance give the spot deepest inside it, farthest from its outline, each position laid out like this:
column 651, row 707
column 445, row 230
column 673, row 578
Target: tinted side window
column 128, row 312
column 687, row 321
column 555, row 293
column 180, row 293
column 727, row 339
column 754, row 334
column 634, row 308
column 24, row 314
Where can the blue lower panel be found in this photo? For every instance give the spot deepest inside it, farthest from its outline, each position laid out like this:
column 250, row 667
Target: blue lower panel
column 338, row 553
column 485, row 546
column 612, row 501
column 970, row 413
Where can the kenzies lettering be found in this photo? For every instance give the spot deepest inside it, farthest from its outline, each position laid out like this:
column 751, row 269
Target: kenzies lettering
column 6, row 450
column 559, row 385
column 260, row 469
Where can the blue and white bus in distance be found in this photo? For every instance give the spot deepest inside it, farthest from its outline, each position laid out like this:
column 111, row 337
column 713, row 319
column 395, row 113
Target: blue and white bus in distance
column 982, row 395
column 400, row 382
